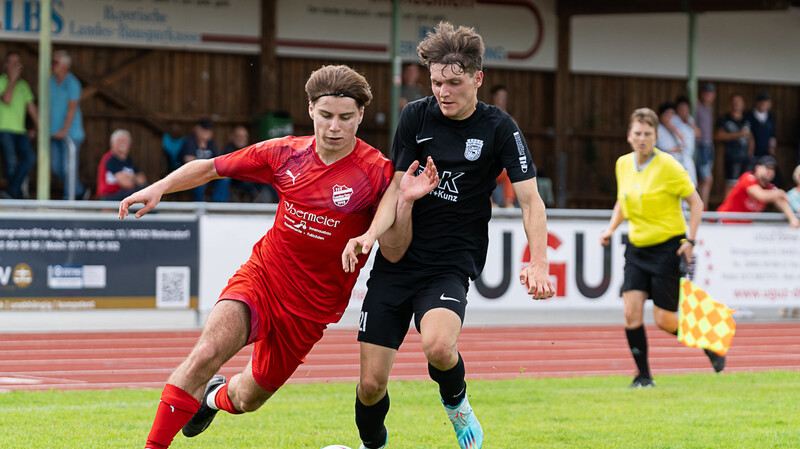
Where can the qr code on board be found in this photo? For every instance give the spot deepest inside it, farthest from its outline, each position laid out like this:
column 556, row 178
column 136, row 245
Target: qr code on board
column 172, row 287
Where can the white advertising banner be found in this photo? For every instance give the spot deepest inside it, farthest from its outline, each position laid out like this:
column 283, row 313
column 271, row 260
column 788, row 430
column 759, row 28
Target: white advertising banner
column 739, row 265
column 519, row 33
column 221, row 25
column 754, row 265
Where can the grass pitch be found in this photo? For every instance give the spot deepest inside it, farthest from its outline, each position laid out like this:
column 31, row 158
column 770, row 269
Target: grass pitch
column 738, row 410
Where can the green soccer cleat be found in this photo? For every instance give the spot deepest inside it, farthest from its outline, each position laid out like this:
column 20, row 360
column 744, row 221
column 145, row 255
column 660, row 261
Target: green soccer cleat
column 469, row 432
column 202, row 419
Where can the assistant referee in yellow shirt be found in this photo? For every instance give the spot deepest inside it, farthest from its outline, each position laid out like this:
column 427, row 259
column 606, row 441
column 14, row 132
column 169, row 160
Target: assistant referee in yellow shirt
column 650, row 187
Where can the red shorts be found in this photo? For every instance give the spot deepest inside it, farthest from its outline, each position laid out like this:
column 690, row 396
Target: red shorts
column 281, row 340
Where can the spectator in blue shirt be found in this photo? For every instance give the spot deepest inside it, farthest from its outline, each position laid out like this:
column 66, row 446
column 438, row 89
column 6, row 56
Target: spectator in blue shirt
column 66, row 122
column 200, row 145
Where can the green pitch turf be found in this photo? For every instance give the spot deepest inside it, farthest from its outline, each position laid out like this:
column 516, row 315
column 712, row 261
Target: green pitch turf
column 738, row 410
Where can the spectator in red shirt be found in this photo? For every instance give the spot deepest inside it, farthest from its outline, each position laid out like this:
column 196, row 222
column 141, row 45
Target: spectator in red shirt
column 754, row 190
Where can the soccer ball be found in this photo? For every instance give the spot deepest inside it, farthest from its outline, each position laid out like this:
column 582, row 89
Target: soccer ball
column 336, row 446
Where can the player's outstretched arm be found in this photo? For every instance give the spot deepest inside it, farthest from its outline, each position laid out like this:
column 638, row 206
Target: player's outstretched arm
column 406, row 187
column 534, row 219
column 396, row 240
column 189, row 175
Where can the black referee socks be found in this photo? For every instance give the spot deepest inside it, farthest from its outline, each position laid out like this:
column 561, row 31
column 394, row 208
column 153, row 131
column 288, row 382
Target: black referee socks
column 452, row 386
column 637, row 340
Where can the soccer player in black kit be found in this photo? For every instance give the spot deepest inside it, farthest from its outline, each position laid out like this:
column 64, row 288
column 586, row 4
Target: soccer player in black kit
column 423, row 270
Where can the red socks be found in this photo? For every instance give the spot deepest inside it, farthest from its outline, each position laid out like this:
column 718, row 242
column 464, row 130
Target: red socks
column 175, row 410
column 223, row 402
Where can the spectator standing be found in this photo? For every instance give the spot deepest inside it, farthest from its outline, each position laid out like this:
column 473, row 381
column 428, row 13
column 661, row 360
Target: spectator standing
column 733, row 130
column 671, row 138
column 239, row 138
column 411, row 89
column 503, row 194
column 793, row 195
column 704, row 154
column 16, row 98
column 120, row 177
column 66, row 122
column 684, row 122
column 761, row 121
column 200, row 145
column 754, row 190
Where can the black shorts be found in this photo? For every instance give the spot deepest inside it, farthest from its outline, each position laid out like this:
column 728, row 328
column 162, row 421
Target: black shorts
column 392, row 298
column 655, row 270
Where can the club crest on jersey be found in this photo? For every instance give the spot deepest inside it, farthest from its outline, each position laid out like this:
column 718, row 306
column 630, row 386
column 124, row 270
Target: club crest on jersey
column 473, row 150
column 341, row 195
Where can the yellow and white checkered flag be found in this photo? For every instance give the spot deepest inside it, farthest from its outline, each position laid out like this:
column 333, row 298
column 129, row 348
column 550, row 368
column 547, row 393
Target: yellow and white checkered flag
column 703, row 322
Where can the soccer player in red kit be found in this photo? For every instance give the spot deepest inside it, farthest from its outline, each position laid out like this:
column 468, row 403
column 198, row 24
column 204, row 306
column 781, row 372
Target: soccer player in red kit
column 281, row 300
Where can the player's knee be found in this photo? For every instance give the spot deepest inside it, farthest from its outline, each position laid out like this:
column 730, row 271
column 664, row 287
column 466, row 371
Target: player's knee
column 371, row 388
column 249, row 404
column 632, row 319
column 440, row 353
column 204, row 357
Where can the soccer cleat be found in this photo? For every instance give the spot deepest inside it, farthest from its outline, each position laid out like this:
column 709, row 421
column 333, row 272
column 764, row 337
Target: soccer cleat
column 642, row 382
column 717, row 361
column 202, row 419
column 469, row 432
column 382, row 447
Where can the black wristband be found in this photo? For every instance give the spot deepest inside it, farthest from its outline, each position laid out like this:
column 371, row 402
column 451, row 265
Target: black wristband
column 691, row 242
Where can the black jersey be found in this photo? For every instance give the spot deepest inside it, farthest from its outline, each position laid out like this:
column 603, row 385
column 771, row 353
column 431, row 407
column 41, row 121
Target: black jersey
column 450, row 224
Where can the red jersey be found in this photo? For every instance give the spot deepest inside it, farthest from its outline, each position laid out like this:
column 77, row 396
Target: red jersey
column 739, row 201
column 321, row 207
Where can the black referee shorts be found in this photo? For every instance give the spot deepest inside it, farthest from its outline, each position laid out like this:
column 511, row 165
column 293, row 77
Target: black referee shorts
column 655, row 270
column 393, row 298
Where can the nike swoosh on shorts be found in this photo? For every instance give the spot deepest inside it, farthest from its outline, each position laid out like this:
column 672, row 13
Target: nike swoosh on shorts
column 447, row 298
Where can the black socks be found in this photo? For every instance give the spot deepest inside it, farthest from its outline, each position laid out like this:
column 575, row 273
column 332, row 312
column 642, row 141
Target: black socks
column 637, row 340
column 452, row 386
column 369, row 419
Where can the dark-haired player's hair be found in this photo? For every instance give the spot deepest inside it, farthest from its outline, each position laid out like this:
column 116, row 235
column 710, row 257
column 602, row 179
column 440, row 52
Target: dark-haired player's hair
column 339, row 81
column 461, row 47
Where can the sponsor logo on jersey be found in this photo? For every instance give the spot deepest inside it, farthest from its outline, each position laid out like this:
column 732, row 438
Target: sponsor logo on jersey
column 310, row 217
column 523, row 159
column 447, row 188
column 423, row 139
column 473, row 150
column 341, row 195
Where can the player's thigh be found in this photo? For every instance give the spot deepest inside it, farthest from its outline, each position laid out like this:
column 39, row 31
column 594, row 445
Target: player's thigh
column 387, row 309
column 224, row 334
column 447, row 291
column 288, row 340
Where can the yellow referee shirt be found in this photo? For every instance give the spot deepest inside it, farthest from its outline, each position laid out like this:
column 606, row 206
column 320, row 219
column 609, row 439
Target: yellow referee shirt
column 650, row 197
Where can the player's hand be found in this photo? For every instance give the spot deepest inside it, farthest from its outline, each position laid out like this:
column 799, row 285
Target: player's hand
column 149, row 196
column 537, row 280
column 356, row 247
column 414, row 187
column 605, row 237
